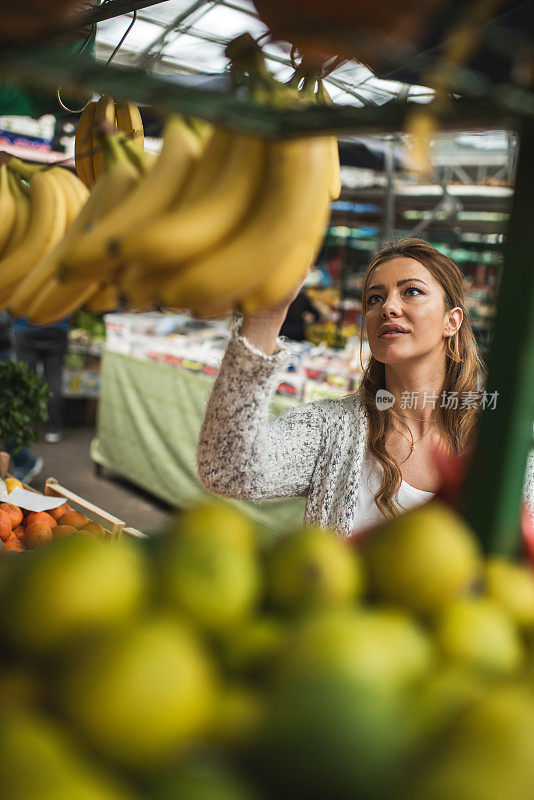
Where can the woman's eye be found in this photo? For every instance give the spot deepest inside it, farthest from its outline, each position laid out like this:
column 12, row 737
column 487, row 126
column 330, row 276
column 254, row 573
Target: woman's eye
column 414, row 289
column 370, row 299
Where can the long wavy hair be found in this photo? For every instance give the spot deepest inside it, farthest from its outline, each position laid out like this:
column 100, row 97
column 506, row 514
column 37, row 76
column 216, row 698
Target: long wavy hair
column 464, row 369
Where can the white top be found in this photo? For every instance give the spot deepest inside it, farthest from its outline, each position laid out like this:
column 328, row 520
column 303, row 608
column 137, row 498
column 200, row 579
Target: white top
column 367, row 512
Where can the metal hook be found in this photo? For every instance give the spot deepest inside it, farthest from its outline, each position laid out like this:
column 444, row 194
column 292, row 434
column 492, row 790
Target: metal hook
column 263, row 36
column 58, row 93
column 110, row 59
column 125, row 34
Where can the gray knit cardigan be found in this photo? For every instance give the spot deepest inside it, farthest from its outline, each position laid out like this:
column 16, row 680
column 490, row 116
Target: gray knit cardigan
column 315, row 450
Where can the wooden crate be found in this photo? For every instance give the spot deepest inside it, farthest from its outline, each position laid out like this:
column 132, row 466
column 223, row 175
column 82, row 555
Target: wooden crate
column 114, row 526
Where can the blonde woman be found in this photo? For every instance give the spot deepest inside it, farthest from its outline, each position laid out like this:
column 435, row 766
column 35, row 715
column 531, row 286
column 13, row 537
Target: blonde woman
column 367, row 456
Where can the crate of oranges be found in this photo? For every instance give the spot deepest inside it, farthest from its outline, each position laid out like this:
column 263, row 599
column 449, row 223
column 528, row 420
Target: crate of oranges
column 22, row 529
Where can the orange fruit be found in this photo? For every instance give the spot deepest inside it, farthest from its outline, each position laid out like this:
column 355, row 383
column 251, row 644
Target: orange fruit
column 14, row 544
column 14, row 512
column 59, row 511
column 20, row 532
column 85, row 532
column 60, row 531
column 6, row 526
column 74, row 518
column 41, row 516
column 37, row 534
column 96, row 529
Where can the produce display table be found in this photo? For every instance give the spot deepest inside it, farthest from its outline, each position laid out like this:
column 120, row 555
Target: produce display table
column 148, row 423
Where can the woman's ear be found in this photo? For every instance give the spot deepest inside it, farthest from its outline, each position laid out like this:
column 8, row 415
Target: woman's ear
column 454, row 321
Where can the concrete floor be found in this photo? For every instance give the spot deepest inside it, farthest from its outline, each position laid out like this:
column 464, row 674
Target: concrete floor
column 69, row 462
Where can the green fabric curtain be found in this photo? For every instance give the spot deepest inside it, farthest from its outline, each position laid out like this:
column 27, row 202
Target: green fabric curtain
column 148, row 424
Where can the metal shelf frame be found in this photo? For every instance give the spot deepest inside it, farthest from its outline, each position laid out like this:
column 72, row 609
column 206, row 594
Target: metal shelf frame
column 494, row 485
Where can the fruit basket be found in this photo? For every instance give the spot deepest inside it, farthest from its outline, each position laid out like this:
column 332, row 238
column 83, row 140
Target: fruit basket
column 83, row 516
column 112, row 525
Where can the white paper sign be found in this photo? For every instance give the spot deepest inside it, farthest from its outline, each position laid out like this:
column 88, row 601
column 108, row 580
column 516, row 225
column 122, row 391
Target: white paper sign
column 29, row 501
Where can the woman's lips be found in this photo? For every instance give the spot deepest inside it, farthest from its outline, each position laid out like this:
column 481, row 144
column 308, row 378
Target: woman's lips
column 391, row 334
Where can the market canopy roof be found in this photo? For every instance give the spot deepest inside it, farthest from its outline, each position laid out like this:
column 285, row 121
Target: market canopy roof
column 187, row 36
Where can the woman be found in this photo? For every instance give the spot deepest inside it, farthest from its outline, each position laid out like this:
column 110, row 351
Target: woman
column 357, row 460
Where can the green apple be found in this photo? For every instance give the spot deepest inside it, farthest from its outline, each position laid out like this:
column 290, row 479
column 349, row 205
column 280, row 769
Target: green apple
column 142, row 694
column 312, row 568
column 422, row 559
column 479, row 633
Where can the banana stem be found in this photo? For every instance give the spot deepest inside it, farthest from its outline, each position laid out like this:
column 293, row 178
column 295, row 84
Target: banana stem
column 20, row 182
column 113, row 147
column 24, row 168
column 308, row 89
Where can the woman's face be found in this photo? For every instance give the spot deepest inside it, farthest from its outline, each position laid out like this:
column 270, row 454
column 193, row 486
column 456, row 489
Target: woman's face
column 403, row 294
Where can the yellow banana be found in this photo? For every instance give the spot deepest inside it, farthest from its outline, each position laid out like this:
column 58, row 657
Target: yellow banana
column 209, row 168
column 107, row 298
column 128, row 118
column 76, row 192
column 142, row 160
column 22, row 214
column 297, row 171
column 335, row 183
column 7, row 208
column 52, row 304
column 139, row 288
column 83, row 146
column 94, row 255
column 103, row 123
column 293, row 265
column 24, row 168
column 116, row 182
column 201, row 222
column 47, row 226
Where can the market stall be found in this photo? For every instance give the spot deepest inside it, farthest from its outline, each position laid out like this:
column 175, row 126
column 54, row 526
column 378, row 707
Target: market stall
column 220, row 658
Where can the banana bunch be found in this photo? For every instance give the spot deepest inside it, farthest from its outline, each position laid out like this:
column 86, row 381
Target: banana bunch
column 37, row 206
column 99, row 117
column 39, row 295
column 223, row 219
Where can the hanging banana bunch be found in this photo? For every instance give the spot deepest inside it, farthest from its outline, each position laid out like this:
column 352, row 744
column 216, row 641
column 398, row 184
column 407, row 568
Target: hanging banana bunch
column 219, row 220
column 41, row 210
column 223, row 219
column 99, row 116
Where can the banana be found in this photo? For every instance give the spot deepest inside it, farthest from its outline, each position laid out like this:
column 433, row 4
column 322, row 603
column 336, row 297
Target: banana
column 335, row 183
column 116, row 182
column 218, row 202
column 139, row 288
column 103, row 122
column 46, row 227
column 142, row 160
column 22, row 214
column 52, row 305
column 94, row 255
column 128, row 118
column 7, row 208
column 76, row 192
column 298, row 171
column 293, row 266
column 83, row 146
column 208, row 169
column 107, row 298
column 24, row 168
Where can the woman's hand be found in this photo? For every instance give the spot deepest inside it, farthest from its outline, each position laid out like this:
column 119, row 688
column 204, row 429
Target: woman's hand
column 261, row 329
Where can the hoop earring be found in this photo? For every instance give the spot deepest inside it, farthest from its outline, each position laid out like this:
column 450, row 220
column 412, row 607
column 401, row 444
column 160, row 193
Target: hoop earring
column 454, row 355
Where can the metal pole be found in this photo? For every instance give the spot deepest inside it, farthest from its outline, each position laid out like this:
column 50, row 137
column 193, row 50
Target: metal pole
column 494, row 487
column 389, row 202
